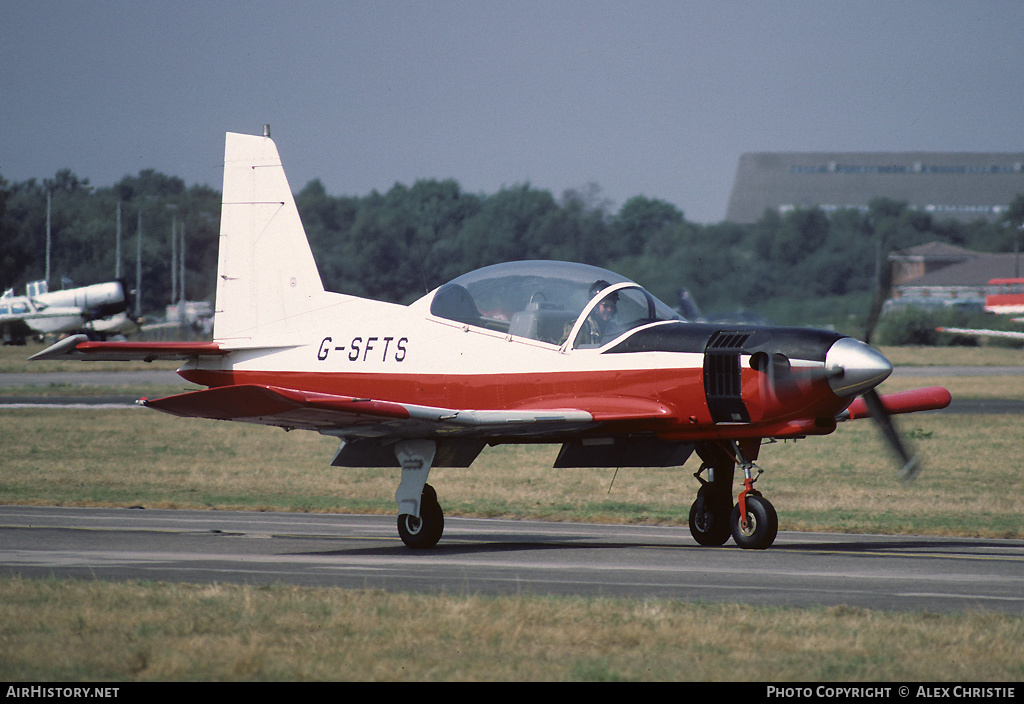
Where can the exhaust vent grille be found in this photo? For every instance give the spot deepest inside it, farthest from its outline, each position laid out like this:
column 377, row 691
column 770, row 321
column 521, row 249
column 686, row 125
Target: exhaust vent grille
column 722, row 385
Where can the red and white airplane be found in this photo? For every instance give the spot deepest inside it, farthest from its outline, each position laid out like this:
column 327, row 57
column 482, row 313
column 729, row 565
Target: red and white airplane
column 521, row 352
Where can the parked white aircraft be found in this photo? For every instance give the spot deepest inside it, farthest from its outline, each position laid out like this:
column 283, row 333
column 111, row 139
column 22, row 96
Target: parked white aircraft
column 99, row 310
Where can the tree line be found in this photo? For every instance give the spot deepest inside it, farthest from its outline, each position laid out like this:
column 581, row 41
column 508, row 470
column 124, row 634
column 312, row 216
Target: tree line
column 798, row 267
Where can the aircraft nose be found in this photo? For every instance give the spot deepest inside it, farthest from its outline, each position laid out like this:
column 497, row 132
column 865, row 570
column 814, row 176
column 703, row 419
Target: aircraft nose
column 854, row 367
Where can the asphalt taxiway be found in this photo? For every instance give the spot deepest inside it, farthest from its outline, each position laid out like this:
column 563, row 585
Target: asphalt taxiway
column 502, row 557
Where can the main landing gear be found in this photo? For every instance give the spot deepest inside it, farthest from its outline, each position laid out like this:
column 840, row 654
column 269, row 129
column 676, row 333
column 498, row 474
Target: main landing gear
column 424, row 531
column 420, row 518
column 752, row 522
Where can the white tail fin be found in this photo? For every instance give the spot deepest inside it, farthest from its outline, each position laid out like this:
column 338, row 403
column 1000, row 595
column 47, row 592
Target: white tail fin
column 266, row 275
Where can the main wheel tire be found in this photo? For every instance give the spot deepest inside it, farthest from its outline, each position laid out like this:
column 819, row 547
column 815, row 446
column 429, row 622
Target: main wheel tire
column 709, row 519
column 762, row 524
column 423, row 533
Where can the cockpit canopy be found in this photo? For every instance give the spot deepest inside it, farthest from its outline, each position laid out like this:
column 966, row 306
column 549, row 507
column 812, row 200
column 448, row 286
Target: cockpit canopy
column 550, row 301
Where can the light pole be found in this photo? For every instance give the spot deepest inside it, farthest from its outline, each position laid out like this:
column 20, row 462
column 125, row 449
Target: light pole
column 174, row 252
column 49, row 202
column 117, row 247
column 138, row 267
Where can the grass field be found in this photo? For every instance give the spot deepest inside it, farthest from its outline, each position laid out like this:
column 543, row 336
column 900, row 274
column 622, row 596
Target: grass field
column 86, row 630
column 67, row 630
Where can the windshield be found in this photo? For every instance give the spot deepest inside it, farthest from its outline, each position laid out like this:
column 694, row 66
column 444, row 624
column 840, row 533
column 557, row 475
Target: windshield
column 547, row 301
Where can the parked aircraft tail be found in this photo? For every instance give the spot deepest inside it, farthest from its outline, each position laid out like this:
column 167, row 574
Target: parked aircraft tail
column 267, row 279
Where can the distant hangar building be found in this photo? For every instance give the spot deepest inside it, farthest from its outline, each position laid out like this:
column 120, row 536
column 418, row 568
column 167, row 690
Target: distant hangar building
column 958, row 185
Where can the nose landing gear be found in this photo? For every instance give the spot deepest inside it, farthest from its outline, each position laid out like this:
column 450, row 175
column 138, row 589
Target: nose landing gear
column 752, row 522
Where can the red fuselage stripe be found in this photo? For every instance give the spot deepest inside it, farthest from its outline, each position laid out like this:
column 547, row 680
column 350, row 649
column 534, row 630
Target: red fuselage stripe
column 676, row 388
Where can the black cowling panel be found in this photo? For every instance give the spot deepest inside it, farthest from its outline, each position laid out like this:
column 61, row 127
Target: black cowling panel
column 795, row 343
column 722, row 347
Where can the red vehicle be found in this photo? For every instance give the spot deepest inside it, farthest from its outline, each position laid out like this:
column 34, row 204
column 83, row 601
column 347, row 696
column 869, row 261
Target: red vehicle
column 1005, row 297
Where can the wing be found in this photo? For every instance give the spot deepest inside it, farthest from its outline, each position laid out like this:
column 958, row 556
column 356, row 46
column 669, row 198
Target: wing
column 362, row 417
column 368, row 428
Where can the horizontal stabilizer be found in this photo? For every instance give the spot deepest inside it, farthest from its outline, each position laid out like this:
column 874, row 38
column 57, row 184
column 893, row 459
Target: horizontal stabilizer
column 80, row 347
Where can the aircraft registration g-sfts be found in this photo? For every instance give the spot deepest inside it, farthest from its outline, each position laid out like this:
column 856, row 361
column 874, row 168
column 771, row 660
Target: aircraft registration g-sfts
column 520, row 352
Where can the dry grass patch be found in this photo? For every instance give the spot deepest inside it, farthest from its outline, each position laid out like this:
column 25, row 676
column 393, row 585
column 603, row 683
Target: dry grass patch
column 75, row 630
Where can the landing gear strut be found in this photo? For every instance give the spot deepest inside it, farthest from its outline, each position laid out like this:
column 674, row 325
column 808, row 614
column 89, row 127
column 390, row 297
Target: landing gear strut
column 752, row 522
column 420, row 519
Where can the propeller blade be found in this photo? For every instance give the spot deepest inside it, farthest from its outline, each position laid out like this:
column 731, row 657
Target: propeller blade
column 873, row 315
column 779, row 375
column 911, row 466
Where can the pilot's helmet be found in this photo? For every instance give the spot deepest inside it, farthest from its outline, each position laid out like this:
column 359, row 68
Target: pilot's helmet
column 601, row 285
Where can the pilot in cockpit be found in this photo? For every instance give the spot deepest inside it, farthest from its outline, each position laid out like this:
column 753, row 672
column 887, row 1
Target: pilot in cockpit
column 601, row 318
column 604, row 313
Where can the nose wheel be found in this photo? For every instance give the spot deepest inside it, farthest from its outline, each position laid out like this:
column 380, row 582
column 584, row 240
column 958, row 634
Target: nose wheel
column 757, row 528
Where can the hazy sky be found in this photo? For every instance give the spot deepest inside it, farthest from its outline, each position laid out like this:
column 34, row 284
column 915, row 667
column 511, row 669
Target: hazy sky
column 640, row 97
